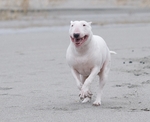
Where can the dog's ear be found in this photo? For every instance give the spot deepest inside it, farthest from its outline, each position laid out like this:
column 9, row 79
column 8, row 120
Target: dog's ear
column 71, row 22
column 90, row 23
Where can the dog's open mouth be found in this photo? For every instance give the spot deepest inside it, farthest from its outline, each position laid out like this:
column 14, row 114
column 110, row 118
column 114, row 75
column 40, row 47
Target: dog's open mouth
column 79, row 41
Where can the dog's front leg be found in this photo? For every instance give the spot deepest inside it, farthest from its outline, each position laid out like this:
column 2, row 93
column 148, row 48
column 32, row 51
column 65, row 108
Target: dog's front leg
column 76, row 75
column 85, row 92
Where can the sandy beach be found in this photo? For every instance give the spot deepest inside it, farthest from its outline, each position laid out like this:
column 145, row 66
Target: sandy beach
column 36, row 84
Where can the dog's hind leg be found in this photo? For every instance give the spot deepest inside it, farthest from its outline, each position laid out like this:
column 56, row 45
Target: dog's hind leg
column 102, row 80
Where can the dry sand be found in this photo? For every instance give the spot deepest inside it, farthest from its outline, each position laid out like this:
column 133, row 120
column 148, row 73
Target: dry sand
column 36, row 84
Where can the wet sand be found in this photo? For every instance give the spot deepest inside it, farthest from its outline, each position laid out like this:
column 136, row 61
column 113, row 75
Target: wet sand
column 61, row 17
column 36, row 84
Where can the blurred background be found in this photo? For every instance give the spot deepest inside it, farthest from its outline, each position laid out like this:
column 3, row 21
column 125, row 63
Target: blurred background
column 45, row 13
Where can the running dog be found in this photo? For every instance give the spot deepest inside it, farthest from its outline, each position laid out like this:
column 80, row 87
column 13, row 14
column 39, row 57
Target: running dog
column 87, row 56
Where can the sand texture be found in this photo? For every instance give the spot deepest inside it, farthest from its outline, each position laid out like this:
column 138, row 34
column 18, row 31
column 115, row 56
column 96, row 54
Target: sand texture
column 36, row 84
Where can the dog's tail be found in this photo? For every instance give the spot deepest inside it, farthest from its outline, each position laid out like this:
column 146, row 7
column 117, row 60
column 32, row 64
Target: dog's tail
column 112, row 52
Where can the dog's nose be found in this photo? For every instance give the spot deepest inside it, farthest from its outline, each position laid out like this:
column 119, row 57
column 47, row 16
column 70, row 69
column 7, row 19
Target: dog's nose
column 76, row 35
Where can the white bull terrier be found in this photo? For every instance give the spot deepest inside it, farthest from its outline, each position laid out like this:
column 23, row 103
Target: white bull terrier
column 87, row 56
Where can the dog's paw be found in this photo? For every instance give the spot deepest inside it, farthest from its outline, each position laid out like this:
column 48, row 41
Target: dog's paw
column 87, row 99
column 97, row 103
column 85, row 94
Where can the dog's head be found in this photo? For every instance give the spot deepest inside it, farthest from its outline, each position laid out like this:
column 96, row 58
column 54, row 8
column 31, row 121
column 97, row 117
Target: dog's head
column 80, row 32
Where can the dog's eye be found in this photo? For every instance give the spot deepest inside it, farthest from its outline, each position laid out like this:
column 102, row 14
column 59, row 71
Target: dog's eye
column 71, row 25
column 84, row 25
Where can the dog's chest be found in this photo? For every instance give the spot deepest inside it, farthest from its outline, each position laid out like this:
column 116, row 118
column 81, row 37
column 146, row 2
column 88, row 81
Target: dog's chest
column 83, row 65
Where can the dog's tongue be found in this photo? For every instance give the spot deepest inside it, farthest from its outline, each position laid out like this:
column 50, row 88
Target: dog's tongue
column 78, row 40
